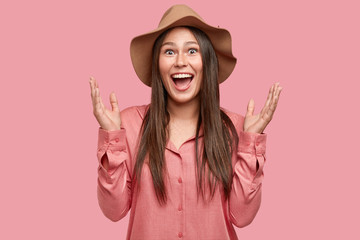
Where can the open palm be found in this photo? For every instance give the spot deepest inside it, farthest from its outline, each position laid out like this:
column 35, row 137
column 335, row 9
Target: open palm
column 108, row 119
column 257, row 123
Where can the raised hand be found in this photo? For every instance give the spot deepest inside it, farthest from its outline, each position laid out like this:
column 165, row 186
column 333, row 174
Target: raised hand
column 108, row 119
column 257, row 123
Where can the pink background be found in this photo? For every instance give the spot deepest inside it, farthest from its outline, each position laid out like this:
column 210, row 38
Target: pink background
column 48, row 137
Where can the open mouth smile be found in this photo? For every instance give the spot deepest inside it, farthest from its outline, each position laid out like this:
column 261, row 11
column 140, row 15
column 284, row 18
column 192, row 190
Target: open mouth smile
column 182, row 81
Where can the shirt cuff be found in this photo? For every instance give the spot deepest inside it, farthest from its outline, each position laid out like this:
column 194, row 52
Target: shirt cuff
column 113, row 143
column 250, row 142
column 113, row 140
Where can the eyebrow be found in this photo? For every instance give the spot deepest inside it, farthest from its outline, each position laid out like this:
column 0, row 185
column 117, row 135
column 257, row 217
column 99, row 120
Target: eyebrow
column 173, row 44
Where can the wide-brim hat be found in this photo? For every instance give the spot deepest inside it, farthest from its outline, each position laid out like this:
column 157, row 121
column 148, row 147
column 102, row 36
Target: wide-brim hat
column 181, row 15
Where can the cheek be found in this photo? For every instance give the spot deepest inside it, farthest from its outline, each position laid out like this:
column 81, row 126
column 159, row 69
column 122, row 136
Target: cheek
column 164, row 78
column 199, row 69
column 197, row 65
column 164, row 67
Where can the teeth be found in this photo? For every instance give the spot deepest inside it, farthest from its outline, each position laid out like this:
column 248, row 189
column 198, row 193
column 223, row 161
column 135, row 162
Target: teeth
column 182, row 75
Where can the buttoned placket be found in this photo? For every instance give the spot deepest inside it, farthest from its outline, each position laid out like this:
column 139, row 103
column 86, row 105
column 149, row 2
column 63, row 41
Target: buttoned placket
column 181, row 200
column 179, row 183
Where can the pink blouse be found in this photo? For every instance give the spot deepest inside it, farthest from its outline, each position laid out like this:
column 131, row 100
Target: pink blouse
column 184, row 216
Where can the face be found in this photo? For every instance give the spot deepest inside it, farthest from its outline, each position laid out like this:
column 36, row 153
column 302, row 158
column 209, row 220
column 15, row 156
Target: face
column 180, row 65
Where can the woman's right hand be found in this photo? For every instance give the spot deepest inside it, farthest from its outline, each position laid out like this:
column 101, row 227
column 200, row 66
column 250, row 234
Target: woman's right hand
column 108, row 119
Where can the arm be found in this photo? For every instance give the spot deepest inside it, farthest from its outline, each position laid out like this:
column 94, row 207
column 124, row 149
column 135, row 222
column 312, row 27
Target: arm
column 114, row 182
column 245, row 197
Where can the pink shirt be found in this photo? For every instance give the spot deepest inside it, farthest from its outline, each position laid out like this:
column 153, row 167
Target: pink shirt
column 183, row 217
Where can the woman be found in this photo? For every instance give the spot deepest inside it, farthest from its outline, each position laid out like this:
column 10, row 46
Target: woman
column 186, row 168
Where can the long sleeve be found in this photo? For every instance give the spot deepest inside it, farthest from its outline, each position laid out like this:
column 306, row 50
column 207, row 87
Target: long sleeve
column 245, row 197
column 114, row 184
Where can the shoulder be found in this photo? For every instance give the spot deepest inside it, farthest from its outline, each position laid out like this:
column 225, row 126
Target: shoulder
column 131, row 120
column 134, row 112
column 236, row 118
column 132, row 117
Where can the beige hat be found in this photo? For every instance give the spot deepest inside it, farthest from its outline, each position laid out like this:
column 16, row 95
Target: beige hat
column 181, row 15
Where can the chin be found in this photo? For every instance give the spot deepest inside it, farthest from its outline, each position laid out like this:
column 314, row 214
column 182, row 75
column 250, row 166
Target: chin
column 183, row 99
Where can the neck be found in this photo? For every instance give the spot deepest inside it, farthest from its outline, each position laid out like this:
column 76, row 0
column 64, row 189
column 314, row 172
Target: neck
column 188, row 111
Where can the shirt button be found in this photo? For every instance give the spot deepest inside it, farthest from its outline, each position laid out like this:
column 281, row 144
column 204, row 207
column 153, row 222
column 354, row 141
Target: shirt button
column 257, row 144
column 179, row 208
column 116, row 140
column 180, row 234
column 180, row 180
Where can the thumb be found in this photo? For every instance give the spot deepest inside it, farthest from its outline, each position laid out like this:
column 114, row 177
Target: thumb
column 250, row 108
column 114, row 102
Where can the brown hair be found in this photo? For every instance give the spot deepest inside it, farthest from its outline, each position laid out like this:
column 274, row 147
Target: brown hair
column 219, row 132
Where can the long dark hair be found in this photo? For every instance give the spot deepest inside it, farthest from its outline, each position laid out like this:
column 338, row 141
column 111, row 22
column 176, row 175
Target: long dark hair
column 220, row 137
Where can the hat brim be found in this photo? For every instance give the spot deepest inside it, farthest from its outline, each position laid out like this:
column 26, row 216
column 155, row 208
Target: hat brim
column 141, row 48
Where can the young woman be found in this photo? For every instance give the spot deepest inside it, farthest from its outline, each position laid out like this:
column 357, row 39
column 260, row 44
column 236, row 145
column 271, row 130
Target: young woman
column 184, row 166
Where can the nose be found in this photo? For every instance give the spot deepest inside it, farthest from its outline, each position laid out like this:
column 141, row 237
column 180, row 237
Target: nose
column 181, row 60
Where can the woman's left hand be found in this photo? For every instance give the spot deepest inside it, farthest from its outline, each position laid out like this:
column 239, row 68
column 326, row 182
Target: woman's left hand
column 257, row 123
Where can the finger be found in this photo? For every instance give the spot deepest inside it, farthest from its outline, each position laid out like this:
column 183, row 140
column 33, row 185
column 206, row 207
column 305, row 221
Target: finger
column 95, row 93
column 96, row 85
column 276, row 94
column 92, row 90
column 276, row 98
column 276, row 90
column 114, row 102
column 94, row 82
column 93, row 85
column 270, row 111
column 268, row 100
column 97, row 102
column 91, row 82
column 250, row 108
column 100, row 102
column 279, row 90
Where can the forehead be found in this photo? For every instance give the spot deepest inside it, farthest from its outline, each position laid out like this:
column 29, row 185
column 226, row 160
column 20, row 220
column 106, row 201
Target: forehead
column 179, row 34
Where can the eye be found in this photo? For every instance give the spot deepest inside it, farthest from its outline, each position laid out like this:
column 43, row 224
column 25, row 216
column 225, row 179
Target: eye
column 193, row 51
column 169, row 52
